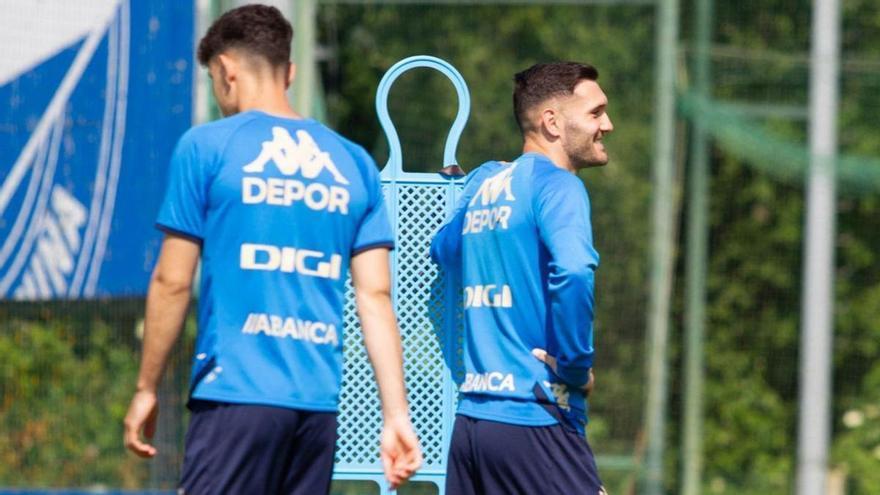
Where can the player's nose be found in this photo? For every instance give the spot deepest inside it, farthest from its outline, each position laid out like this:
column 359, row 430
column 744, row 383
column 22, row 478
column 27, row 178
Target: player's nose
column 606, row 125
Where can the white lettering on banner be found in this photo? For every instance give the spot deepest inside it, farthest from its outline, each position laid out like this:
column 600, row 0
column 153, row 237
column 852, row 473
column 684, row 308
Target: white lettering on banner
column 315, row 332
column 291, row 158
column 290, row 260
column 57, row 244
column 494, row 189
column 489, row 296
column 491, row 381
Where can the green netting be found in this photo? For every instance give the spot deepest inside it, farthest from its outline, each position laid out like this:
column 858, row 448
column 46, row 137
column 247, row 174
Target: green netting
column 755, row 143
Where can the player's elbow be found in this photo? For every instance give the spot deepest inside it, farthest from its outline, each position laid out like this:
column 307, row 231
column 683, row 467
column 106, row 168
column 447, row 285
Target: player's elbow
column 575, row 369
column 577, row 277
column 582, row 274
column 438, row 250
column 369, row 299
column 434, row 251
column 375, row 310
column 574, row 376
column 172, row 282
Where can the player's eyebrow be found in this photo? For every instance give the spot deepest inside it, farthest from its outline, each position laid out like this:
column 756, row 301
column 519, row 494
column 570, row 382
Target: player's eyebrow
column 599, row 108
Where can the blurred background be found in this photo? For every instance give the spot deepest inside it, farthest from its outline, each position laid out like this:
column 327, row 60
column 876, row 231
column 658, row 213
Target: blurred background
column 737, row 349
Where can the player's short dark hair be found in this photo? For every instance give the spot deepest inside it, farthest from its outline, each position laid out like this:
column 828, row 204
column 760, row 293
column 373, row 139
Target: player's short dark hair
column 541, row 82
column 260, row 30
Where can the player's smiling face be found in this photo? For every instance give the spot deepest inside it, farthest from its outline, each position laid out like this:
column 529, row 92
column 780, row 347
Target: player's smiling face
column 585, row 123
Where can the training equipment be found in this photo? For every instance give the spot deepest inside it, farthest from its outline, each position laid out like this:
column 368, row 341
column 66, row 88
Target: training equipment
column 417, row 204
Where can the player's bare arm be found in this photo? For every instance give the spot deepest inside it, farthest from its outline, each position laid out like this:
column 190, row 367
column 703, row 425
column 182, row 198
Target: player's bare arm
column 400, row 452
column 167, row 301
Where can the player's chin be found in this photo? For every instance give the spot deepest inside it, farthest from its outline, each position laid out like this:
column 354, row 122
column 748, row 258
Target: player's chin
column 597, row 161
column 600, row 156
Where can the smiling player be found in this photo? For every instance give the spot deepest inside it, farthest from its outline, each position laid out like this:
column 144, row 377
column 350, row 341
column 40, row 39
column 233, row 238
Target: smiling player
column 522, row 243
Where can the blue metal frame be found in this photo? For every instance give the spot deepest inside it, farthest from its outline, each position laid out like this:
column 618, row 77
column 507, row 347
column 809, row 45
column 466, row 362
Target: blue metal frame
column 393, row 170
column 417, row 203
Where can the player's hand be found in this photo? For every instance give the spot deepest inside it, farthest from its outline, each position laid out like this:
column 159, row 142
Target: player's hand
column 141, row 416
column 399, row 450
column 550, row 361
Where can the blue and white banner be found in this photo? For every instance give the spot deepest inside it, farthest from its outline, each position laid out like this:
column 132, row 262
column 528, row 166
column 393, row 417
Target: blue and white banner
column 94, row 96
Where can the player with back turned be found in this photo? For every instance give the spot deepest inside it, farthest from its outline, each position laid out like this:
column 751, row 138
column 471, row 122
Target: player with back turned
column 521, row 243
column 278, row 208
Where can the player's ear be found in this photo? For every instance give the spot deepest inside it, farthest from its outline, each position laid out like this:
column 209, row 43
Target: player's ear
column 228, row 68
column 291, row 73
column 551, row 122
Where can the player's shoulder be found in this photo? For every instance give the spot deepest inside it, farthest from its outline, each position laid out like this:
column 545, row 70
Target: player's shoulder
column 360, row 156
column 322, row 133
column 216, row 133
column 547, row 178
column 545, row 171
column 543, row 166
column 485, row 170
column 352, row 147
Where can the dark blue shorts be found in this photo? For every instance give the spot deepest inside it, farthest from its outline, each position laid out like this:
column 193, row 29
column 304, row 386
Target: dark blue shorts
column 491, row 458
column 238, row 448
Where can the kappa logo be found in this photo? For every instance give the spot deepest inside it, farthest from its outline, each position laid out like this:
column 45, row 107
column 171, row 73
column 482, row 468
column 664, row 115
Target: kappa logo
column 303, row 158
column 494, row 189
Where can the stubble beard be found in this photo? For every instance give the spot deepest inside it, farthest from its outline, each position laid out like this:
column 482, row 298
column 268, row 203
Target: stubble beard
column 582, row 153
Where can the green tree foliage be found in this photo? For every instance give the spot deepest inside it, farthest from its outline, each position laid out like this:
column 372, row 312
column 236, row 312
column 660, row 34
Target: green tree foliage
column 752, row 341
column 63, row 401
column 67, row 373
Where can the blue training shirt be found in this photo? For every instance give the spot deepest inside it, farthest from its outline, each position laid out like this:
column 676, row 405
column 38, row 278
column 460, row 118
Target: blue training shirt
column 279, row 206
column 522, row 241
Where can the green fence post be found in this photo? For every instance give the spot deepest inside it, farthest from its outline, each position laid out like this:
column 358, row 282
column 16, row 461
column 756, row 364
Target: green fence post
column 304, row 93
column 663, row 241
column 695, row 283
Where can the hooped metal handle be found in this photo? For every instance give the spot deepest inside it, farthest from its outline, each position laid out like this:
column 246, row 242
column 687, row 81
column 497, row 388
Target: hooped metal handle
column 394, row 167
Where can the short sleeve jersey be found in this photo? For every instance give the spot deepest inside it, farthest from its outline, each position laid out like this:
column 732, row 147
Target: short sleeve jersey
column 522, row 243
column 279, row 206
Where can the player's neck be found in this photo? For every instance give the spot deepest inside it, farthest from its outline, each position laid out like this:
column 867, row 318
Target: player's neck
column 268, row 97
column 551, row 150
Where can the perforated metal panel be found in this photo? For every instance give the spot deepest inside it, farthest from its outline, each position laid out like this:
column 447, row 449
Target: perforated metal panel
column 418, row 210
column 417, row 205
